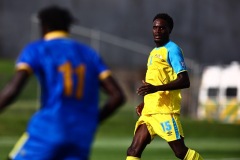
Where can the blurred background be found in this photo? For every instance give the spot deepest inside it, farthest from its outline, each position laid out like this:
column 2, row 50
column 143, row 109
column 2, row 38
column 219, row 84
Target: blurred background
column 207, row 31
column 121, row 31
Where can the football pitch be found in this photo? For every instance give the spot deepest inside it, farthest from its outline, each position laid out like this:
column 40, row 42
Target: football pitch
column 213, row 140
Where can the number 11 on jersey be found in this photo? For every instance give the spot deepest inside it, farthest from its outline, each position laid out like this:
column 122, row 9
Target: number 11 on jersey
column 68, row 72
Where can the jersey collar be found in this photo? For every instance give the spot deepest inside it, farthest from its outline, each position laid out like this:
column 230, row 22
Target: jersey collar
column 55, row 34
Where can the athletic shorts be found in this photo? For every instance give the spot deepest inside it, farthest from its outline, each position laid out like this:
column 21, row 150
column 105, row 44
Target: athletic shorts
column 31, row 148
column 167, row 126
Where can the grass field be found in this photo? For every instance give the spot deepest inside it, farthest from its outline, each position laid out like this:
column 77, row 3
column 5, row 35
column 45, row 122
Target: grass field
column 213, row 140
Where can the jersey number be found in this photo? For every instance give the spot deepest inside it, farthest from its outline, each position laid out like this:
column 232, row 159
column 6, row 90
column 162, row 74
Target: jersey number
column 68, row 72
column 166, row 126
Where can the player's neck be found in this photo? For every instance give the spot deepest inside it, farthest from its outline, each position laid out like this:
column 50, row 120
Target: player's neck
column 162, row 43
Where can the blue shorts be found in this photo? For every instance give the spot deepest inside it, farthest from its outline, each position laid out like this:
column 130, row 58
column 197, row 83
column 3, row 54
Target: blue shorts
column 30, row 147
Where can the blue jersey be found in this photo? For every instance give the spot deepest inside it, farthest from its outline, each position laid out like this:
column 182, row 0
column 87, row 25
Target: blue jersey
column 69, row 74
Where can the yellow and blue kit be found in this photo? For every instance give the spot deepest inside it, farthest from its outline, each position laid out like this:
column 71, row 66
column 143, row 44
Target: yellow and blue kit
column 161, row 109
column 164, row 63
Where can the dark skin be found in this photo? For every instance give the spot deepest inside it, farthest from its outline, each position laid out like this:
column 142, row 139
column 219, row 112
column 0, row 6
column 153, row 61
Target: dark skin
column 115, row 100
column 161, row 33
column 9, row 93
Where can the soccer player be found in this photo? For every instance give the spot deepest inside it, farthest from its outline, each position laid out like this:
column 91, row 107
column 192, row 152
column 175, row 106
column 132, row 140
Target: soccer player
column 70, row 76
column 159, row 113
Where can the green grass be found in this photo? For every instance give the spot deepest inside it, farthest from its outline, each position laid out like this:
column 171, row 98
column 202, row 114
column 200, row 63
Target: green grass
column 213, row 140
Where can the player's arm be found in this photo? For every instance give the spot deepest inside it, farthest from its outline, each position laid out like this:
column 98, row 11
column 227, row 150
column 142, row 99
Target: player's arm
column 182, row 81
column 139, row 109
column 13, row 88
column 115, row 97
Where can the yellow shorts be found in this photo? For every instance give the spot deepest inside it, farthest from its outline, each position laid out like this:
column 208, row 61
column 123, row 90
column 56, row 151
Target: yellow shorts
column 167, row 126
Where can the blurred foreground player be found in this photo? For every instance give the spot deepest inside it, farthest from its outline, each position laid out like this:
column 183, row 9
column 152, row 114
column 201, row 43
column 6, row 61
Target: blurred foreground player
column 70, row 76
column 160, row 112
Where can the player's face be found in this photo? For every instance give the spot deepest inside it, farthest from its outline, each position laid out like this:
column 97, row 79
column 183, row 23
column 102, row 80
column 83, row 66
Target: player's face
column 161, row 32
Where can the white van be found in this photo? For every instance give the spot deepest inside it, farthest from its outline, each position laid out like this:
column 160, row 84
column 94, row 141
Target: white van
column 219, row 93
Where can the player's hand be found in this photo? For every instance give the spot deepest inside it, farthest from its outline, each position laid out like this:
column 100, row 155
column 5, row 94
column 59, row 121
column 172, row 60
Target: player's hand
column 146, row 88
column 139, row 109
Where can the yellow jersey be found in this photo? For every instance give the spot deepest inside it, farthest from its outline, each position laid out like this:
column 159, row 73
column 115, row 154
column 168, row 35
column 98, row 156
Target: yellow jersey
column 164, row 63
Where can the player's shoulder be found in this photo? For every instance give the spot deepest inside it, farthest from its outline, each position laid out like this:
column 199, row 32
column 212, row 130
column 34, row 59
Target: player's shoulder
column 172, row 45
column 33, row 45
column 84, row 47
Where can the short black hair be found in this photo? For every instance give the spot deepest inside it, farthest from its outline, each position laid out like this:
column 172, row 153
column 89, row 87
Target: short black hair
column 167, row 18
column 55, row 18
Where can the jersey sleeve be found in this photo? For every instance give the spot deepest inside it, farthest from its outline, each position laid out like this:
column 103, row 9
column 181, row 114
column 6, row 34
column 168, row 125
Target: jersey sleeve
column 27, row 59
column 176, row 60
